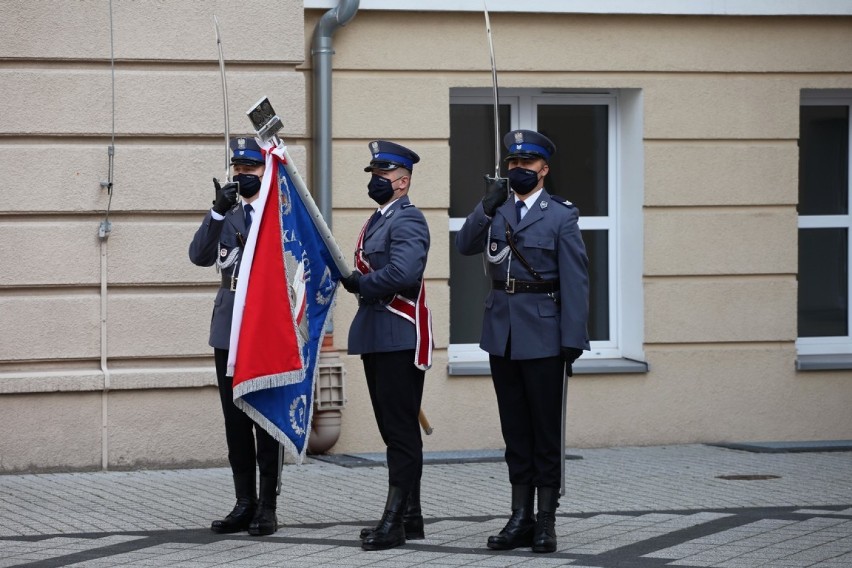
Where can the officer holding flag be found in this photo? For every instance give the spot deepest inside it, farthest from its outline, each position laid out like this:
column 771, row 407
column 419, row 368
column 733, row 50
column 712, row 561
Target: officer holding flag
column 392, row 333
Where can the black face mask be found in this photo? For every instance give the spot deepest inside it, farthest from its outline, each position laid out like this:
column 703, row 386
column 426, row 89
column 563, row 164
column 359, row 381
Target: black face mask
column 381, row 189
column 249, row 184
column 523, row 181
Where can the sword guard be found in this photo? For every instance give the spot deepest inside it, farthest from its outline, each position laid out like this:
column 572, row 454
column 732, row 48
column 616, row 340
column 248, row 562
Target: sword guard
column 494, row 182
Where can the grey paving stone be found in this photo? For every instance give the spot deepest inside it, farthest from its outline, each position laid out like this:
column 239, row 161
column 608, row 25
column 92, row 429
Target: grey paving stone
column 622, row 504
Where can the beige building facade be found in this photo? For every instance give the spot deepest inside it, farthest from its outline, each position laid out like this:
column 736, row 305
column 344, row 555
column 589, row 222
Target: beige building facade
column 720, row 283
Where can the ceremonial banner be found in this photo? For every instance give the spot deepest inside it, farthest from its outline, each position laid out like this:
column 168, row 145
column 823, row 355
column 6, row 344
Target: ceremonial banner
column 285, row 290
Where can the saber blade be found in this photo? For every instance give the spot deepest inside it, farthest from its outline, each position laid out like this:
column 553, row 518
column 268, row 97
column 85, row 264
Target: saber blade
column 496, row 100
column 564, row 424
column 224, row 97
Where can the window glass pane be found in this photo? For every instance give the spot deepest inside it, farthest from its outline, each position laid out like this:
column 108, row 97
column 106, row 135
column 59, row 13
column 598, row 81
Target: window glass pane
column 472, row 152
column 468, row 288
column 824, row 160
column 579, row 168
column 823, row 282
column 597, row 248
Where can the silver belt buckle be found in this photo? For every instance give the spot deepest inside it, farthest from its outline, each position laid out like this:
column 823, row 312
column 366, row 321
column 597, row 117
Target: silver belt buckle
column 233, row 283
column 510, row 286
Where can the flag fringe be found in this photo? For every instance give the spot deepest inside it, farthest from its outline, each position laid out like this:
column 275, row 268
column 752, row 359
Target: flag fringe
column 273, row 430
column 268, row 382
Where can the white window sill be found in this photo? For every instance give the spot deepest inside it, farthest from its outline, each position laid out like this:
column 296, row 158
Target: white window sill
column 824, row 362
column 581, row 367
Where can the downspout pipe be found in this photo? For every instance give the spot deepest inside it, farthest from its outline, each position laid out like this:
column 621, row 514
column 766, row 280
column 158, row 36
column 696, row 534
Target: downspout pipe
column 321, row 52
column 326, row 424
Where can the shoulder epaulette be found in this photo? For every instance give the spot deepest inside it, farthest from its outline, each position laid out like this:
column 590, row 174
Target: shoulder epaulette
column 407, row 205
column 562, row 200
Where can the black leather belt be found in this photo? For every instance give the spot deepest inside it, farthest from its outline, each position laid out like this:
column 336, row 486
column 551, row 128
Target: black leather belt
column 229, row 281
column 410, row 293
column 519, row 286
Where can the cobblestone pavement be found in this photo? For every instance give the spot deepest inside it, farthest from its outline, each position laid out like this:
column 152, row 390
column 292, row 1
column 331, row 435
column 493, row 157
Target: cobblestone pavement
column 679, row 506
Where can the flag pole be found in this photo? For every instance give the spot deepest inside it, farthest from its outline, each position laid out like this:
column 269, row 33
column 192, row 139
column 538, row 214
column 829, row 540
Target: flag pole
column 316, row 216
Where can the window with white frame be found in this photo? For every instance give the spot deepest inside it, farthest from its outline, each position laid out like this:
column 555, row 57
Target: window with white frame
column 587, row 170
column 824, row 224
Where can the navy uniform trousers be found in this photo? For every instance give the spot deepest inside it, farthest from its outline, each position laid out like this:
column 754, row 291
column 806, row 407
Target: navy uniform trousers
column 218, row 240
column 396, row 246
column 396, row 389
column 241, row 431
column 524, row 332
column 529, row 400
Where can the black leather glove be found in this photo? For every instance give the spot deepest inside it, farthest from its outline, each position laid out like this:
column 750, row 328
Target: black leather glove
column 496, row 193
column 352, row 283
column 569, row 355
column 226, row 196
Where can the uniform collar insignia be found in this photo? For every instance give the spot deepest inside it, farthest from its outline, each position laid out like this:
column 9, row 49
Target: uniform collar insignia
column 543, row 204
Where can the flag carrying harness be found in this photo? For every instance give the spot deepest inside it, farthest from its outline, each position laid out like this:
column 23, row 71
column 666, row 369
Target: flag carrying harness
column 414, row 311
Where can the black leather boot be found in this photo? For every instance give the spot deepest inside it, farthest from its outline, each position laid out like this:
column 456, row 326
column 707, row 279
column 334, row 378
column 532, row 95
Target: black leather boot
column 265, row 522
column 240, row 517
column 518, row 532
column 412, row 517
column 544, row 539
column 390, row 532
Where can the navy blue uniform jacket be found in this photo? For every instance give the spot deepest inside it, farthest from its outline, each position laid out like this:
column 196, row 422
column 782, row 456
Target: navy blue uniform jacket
column 217, row 241
column 396, row 247
column 549, row 238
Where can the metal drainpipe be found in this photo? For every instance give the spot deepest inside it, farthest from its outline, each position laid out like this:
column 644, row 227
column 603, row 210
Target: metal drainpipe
column 326, row 423
column 321, row 52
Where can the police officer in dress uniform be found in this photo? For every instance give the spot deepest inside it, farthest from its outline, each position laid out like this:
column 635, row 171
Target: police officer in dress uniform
column 220, row 240
column 391, row 254
column 534, row 325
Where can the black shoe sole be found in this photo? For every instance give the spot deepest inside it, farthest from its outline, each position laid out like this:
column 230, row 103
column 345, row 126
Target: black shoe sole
column 495, row 546
column 382, row 546
column 262, row 532
column 231, row 530
column 523, row 542
column 408, row 535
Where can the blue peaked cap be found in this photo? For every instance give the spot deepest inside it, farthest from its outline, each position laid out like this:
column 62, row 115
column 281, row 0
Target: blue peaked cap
column 528, row 144
column 390, row 156
column 246, row 151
